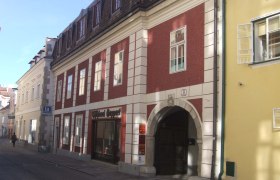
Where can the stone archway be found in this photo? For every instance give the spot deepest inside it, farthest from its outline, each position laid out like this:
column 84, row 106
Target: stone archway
column 152, row 124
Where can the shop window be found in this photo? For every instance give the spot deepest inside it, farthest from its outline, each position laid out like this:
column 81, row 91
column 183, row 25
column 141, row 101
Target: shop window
column 59, row 91
column 78, row 130
column 178, row 50
column 66, row 130
column 265, row 44
column 69, row 86
column 118, row 68
column 107, row 140
column 32, row 131
column 97, row 76
column 82, row 82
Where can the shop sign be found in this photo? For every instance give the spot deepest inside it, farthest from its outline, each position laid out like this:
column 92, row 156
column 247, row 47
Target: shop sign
column 106, row 113
column 142, row 139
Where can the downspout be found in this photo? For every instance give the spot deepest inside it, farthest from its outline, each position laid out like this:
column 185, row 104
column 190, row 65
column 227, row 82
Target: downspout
column 215, row 90
column 223, row 88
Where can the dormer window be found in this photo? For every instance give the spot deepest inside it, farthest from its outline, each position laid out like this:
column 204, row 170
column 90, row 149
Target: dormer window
column 68, row 38
column 96, row 14
column 116, row 4
column 59, row 46
column 81, row 27
column 49, row 49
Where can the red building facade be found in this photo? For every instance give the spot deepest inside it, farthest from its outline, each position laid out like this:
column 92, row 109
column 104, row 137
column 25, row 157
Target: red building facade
column 137, row 89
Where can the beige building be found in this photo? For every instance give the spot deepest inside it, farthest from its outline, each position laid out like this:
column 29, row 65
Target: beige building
column 34, row 99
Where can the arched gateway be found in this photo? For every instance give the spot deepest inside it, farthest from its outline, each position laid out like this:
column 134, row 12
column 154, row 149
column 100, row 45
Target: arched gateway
column 173, row 139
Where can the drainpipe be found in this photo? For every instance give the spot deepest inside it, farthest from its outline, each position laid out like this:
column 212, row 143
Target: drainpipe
column 215, row 89
column 223, row 88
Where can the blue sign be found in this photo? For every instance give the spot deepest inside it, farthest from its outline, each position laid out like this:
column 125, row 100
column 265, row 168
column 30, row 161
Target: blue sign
column 47, row 109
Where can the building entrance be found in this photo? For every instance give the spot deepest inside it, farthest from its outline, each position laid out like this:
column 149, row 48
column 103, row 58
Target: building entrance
column 171, row 142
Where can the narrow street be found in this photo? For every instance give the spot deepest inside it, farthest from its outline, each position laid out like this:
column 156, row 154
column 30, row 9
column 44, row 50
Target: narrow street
column 22, row 163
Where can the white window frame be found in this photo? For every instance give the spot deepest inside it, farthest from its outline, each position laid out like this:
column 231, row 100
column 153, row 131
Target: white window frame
column 268, row 36
column 250, row 47
column 97, row 76
column 78, row 130
column 69, row 86
column 82, row 82
column 59, row 91
column 66, row 130
column 176, row 45
column 276, row 118
column 118, row 68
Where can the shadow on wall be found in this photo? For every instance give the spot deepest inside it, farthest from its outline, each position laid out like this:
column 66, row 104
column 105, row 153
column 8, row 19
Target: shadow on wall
column 268, row 152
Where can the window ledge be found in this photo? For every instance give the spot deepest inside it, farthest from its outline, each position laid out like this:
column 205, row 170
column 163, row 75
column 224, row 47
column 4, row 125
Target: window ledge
column 265, row 63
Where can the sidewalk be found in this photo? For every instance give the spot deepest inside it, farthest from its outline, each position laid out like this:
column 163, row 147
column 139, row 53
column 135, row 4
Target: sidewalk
column 100, row 170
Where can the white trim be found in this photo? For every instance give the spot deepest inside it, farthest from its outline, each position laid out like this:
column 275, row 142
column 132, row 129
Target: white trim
column 276, row 118
column 265, row 15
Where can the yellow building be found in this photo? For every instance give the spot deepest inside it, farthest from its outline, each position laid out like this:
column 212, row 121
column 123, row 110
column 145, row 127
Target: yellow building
column 252, row 128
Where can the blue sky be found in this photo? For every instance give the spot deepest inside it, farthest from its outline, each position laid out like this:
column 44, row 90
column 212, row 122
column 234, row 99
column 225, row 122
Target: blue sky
column 24, row 26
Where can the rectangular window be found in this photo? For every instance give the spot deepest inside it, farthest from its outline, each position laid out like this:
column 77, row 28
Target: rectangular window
column 26, row 97
column 32, row 93
column 59, row 46
column 107, row 140
column 116, row 4
column 265, row 35
column 82, row 82
column 178, row 50
column 69, row 38
column 118, row 68
column 69, row 86
column 81, row 27
column 66, row 130
column 59, row 91
column 38, row 91
column 22, row 100
column 78, row 130
column 97, row 76
column 96, row 14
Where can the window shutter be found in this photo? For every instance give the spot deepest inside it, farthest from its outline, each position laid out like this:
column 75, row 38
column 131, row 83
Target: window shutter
column 276, row 118
column 244, row 44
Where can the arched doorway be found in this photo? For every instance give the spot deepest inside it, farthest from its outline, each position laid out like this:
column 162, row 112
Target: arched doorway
column 171, row 142
column 165, row 123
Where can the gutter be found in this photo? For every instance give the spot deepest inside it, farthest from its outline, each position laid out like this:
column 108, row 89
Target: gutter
column 215, row 89
column 223, row 90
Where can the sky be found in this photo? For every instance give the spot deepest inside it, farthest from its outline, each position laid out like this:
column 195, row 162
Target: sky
column 25, row 24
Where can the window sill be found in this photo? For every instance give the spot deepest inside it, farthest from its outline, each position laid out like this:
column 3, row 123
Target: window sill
column 265, row 63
